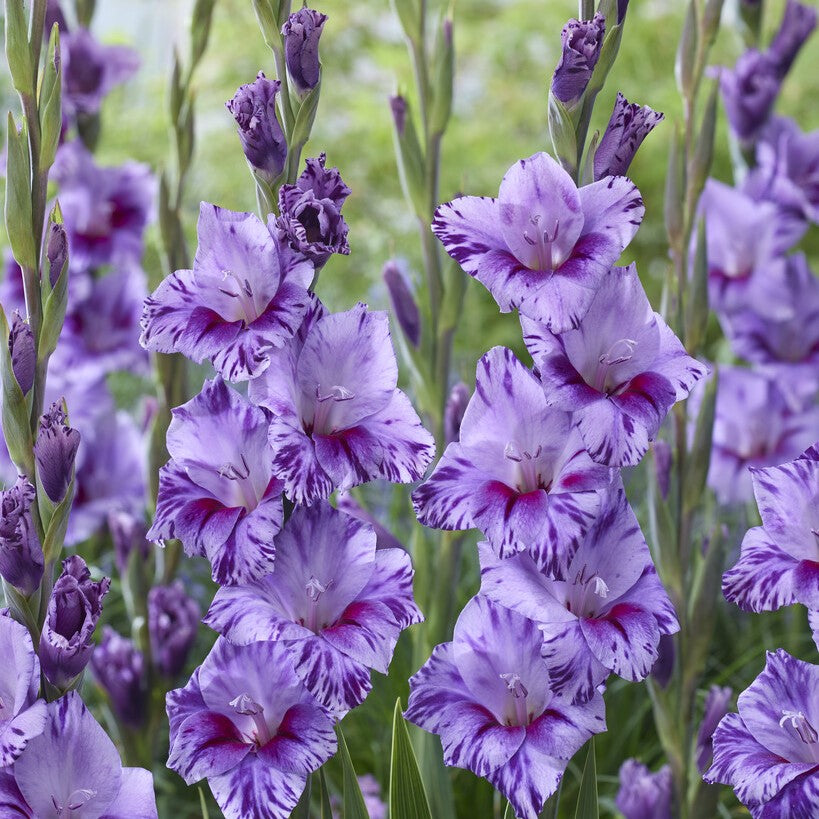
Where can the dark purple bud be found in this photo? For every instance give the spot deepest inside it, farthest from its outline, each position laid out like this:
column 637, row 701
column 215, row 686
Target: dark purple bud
column 454, row 411
column 263, row 141
column 75, row 606
column 749, row 92
column 404, row 306
column 662, row 465
column 664, row 664
column 716, row 707
column 57, row 251
column 302, row 32
column 21, row 555
column 582, row 41
column 628, row 126
column 173, row 619
column 622, row 8
column 119, row 668
column 398, row 105
column 23, row 354
column 311, row 221
column 55, row 451
column 54, row 14
column 129, row 536
column 797, row 25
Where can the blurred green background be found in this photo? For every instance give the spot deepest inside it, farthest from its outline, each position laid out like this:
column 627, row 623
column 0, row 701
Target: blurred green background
column 506, row 50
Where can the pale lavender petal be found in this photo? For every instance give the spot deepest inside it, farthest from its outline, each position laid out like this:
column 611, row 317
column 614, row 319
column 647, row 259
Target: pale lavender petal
column 242, row 792
column 136, row 799
column 574, row 670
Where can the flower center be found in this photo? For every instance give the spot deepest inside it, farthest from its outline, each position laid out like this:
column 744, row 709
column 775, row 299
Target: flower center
column 621, row 351
column 74, row 802
column 518, row 693
column 246, row 706
column 323, row 421
column 246, row 492
column 314, row 588
column 799, row 722
column 528, row 477
column 239, row 288
column 586, row 594
column 546, row 256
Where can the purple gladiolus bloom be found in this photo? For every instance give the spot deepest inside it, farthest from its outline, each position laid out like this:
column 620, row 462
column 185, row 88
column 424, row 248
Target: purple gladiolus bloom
column 373, row 803
column 335, row 602
column 601, row 611
column 130, row 536
column 779, row 561
column 769, row 752
column 581, row 44
column 91, row 70
column 749, row 91
column 21, row 555
column 404, row 307
column 73, row 769
column 488, row 696
column 754, row 426
column 629, row 125
column 111, row 473
column 173, row 620
column 643, row 794
column 75, row 606
column 338, row 418
column 519, row 472
column 22, row 715
column 245, row 296
column 716, row 707
column 311, row 222
column 218, row 494
column 119, row 668
column 301, row 33
column 254, row 108
column 620, row 371
column 787, row 347
column 247, row 724
column 106, row 209
column 745, row 239
column 56, row 251
column 788, row 165
column 797, row 25
column 23, row 354
column 55, row 451
column 544, row 245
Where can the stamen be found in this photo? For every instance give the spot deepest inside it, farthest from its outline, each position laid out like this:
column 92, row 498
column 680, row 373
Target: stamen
column 600, row 587
column 246, row 706
column 74, row 802
column 315, row 588
column 336, row 393
column 622, row 350
column 244, row 294
column 543, row 242
column 323, row 411
column 799, row 723
column 519, row 693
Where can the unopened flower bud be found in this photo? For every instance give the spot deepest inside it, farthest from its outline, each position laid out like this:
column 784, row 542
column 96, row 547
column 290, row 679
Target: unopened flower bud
column 173, row 619
column 119, row 668
column 129, row 535
column 454, row 411
column 54, row 452
column 57, row 251
column 74, row 609
column 797, row 25
column 21, row 555
column 23, row 354
column 263, row 141
column 301, row 33
column 404, row 306
column 582, row 41
column 628, row 126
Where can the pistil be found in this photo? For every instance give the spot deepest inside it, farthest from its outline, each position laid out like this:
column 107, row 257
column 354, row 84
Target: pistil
column 519, row 693
column 314, row 589
column 243, row 292
column 528, row 470
column 542, row 242
column 245, row 705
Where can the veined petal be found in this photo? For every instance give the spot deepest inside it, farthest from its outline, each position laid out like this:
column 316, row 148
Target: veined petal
column 305, row 740
column 445, row 500
column 613, row 210
column 255, row 790
column 574, row 671
column 136, row 799
column 16, row 733
column 468, row 230
column 367, row 633
column 610, row 435
column 295, row 463
column 206, row 744
column 391, row 584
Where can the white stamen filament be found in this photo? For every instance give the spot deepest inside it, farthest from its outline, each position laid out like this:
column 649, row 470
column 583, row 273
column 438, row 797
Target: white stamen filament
column 799, row 723
column 242, row 477
column 528, row 470
column 314, row 588
column 245, row 705
column 74, row 802
column 542, row 242
column 325, row 403
column 243, row 292
column 519, row 693
column 621, row 351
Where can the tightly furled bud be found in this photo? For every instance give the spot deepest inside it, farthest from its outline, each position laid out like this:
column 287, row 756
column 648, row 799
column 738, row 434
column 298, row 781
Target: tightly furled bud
column 21, row 555
column 582, row 41
column 173, row 618
column 254, row 108
column 628, row 126
column 119, row 668
column 129, row 536
column 454, row 411
column 57, row 251
column 404, row 306
column 797, row 25
column 311, row 221
column 716, row 707
column 302, row 33
column 55, row 451
column 23, row 354
column 74, row 609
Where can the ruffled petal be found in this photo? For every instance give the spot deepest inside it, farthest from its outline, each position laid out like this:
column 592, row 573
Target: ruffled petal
column 574, row 671
column 255, row 790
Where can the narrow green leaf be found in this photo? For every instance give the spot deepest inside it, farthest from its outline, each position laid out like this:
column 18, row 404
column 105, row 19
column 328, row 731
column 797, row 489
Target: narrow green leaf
column 353, row 799
column 326, row 810
column 408, row 799
column 203, row 805
column 587, row 807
